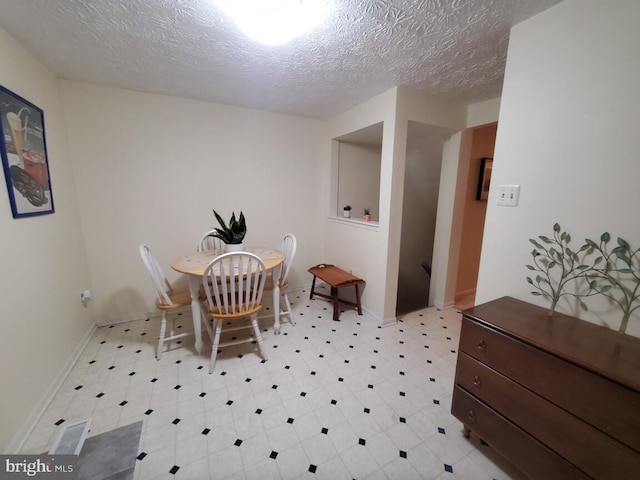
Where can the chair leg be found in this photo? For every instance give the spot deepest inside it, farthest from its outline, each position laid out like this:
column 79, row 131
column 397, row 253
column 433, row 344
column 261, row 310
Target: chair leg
column 163, row 328
column 217, row 327
column 258, row 336
column 204, row 316
column 288, row 310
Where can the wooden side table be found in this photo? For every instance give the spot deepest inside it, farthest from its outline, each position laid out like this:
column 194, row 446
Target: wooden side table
column 336, row 278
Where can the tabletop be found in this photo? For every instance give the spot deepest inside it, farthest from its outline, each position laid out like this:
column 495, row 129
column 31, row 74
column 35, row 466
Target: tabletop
column 195, row 263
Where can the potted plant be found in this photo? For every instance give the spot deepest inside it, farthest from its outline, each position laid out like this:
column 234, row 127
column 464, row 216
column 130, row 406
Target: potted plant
column 346, row 211
column 367, row 215
column 233, row 234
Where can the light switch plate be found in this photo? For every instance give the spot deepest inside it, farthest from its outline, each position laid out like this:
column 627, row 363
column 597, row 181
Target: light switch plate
column 508, row 195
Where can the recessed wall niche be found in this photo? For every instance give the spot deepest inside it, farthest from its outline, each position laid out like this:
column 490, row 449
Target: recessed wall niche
column 357, row 157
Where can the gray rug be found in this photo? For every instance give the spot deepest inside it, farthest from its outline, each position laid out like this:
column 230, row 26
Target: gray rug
column 110, row 455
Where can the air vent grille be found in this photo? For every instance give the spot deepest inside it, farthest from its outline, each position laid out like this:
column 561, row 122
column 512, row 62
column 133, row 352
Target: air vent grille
column 70, row 438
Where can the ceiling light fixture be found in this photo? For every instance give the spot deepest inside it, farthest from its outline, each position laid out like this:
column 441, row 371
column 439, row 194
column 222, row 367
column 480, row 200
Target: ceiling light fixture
column 275, row 22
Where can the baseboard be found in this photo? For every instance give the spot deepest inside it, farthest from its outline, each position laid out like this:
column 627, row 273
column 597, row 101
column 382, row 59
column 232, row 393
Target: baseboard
column 105, row 322
column 443, row 306
column 266, row 298
column 387, row 322
column 20, row 438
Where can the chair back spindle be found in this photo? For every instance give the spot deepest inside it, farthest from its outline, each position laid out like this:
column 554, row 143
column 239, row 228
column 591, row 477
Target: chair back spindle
column 234, row 283
column 209, row 242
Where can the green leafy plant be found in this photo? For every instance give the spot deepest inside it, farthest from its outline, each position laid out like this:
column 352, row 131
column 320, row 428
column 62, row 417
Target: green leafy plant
column 367, row 211
column 235, row 232
column 557, row 266
column 347, row 207
column 616, row 275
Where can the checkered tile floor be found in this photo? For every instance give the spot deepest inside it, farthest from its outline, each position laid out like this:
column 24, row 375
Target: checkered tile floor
column 335, row 400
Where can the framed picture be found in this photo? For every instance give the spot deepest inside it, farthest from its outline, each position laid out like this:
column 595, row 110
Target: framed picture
column 484, row 180
column 24, row 156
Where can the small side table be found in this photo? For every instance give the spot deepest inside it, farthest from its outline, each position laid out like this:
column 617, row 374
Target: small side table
column 336, row 278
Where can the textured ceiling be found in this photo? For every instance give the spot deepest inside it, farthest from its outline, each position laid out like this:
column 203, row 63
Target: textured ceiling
column 187, row 48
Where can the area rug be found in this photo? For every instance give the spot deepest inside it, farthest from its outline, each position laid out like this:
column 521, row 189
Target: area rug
column 110, row 455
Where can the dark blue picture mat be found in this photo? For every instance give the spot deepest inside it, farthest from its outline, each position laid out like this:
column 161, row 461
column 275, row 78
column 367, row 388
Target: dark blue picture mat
column 34, row 134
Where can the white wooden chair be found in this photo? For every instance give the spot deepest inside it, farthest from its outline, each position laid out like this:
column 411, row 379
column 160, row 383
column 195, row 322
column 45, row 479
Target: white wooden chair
column 169, row 300
column 209, row 242
column 288, row 246
column 233, row 285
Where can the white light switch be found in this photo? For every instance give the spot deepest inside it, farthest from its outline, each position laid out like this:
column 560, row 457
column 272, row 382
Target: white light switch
column 508, row 195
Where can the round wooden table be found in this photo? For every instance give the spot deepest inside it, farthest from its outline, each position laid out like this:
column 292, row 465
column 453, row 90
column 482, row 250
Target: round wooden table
column 194, row 264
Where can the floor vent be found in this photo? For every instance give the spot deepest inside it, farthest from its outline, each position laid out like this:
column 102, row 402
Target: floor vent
column 70, row 438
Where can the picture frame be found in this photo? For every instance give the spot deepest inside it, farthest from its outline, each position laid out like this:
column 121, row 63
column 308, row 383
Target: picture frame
column 484, row 179
column 24, row 156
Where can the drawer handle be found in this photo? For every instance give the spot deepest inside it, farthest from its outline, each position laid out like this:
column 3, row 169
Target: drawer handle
column 482, row 346
column 471, row 414
column 476, row 381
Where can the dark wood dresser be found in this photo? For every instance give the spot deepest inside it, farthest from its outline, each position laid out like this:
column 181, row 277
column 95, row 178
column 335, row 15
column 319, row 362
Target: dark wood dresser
column 559, row 397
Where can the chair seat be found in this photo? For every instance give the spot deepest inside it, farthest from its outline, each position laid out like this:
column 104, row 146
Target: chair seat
column 238, row 313
column 179, row 298
column 168, row 299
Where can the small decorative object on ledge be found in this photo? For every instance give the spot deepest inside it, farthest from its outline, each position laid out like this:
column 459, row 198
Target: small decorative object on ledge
column 233, row 234
column 367, row 215
column 613, row 273
column 346, row 211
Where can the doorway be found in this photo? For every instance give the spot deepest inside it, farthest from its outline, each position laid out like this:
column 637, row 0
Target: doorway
column 482, row 146
column 419, row 208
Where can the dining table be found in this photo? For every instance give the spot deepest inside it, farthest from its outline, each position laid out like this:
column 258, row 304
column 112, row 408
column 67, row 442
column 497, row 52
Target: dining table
column 194, row 265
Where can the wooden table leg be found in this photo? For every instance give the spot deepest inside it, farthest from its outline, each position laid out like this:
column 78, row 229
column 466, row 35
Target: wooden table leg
column 336, row 308
column 194, row 290
column 359, row 305
column 313, row 285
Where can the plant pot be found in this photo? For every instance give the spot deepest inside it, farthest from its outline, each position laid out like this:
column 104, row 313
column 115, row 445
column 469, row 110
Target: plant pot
column 366, row 218
column 346, row 213
column 233, row 247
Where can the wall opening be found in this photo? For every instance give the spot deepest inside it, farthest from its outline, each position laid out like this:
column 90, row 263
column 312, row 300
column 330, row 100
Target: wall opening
column 357, row 163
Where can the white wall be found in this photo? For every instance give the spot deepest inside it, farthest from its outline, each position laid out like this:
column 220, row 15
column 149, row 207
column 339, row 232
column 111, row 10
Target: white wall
column 151, row 168
column 482, row 113
column 374, row 253
column 568, row 133
column 44, row 267
column 354, row 245
column 359, row 178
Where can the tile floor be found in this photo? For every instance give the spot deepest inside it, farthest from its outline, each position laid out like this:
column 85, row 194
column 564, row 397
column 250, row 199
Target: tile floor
column 335, row 400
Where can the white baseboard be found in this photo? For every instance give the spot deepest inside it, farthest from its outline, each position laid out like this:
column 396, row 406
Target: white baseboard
column 105, row 322
column 387, row 322
column 17, row 442
column 443, row 306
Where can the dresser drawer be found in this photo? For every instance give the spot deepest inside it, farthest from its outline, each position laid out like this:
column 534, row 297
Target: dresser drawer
column 529, row 455
column 599, row 455
column 609, row 406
